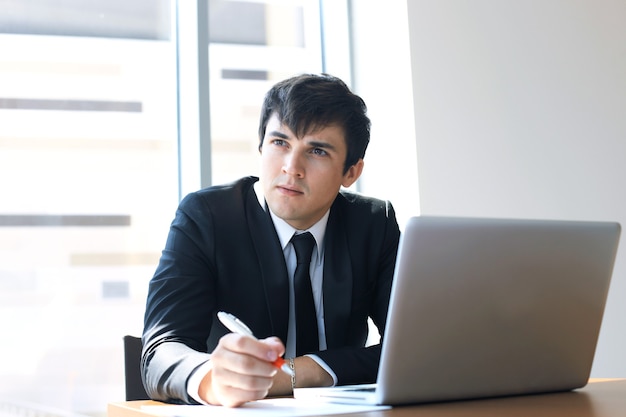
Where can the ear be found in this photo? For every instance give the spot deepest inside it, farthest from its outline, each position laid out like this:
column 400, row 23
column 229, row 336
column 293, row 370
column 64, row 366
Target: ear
column 353, row 173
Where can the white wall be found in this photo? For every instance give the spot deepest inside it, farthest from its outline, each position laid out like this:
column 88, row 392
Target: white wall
column 382, row 77
column 519, row 110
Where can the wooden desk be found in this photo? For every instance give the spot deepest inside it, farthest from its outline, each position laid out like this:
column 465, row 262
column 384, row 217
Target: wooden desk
column 600, row 398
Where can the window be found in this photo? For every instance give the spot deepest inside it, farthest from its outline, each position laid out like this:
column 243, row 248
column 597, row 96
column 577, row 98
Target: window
column 89, row 170
column 272, row 41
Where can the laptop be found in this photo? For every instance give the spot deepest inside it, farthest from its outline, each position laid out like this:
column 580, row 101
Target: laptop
column 489, row 307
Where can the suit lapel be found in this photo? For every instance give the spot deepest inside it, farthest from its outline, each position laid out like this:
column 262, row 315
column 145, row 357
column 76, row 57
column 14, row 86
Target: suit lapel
column 271, row 263
column 337, row 285
column 338, row 280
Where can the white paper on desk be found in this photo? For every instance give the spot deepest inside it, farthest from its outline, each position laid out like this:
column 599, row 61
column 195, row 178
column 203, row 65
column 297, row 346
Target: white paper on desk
column 276, row 407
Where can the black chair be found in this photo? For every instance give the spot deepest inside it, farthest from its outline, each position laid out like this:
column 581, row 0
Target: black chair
column 132, row 372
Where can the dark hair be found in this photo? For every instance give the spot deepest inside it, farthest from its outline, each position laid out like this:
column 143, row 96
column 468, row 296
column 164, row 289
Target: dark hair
column 309, row 102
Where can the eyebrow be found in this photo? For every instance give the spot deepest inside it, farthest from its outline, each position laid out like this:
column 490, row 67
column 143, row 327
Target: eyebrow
column 313, row 143
column 276, row 133
column 325, row 145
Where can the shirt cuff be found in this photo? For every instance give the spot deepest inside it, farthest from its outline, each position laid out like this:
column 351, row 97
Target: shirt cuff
column 323, row 364
column 193, row 383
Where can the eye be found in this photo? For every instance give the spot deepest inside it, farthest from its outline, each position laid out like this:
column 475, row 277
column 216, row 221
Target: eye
column 319, row 152
column 279, row 142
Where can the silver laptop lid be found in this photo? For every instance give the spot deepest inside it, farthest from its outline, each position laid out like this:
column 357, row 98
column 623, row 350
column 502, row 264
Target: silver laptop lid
column 491, row 307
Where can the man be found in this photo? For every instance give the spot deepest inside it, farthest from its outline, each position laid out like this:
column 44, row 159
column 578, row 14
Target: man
column 230, row 249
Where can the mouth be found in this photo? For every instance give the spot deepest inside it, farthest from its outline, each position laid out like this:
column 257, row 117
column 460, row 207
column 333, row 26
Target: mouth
column 289, row 189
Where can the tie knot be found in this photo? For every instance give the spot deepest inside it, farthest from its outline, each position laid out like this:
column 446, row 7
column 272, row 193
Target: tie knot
column 303, row 244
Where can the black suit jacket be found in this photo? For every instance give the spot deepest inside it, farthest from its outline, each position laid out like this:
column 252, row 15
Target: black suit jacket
column 223, row 253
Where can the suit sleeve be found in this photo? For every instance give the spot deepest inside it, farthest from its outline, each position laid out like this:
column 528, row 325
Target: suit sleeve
column 353, row 365
column 178, row 309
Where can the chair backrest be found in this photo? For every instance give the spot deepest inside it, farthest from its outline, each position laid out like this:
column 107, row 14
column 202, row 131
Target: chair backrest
column 132, row 371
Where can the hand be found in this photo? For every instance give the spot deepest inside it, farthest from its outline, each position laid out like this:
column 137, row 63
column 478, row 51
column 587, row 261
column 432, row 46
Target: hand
column 241, row 371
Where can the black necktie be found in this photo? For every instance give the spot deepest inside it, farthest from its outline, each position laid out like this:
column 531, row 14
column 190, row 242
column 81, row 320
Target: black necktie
column 306, row 318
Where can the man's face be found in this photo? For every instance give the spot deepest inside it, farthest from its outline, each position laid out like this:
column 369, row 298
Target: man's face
column 302, row 176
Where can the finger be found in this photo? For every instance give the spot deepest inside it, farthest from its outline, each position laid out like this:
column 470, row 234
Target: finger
column 240, row 355
column 242, row 381
column 275, row 344
column 231, row 389
column 267, row 350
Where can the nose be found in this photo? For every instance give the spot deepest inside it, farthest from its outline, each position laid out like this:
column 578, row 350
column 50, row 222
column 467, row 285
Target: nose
column 293, row 164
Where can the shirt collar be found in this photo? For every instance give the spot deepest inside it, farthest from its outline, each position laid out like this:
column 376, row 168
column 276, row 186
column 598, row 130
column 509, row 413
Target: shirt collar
column 285, row 231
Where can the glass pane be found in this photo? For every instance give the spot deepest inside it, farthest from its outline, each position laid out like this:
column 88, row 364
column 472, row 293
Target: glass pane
column 253, row 44
column 88, row 173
